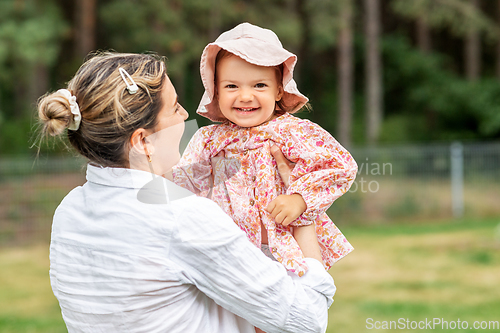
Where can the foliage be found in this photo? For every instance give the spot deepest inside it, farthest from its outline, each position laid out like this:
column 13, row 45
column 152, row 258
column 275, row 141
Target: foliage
column 426, row 100
column 30, row 38
column 460, row 16
column 30, row 35
column 327, row 21
column 15, row 136
column 181, row 29
column 153, row 27
column 30, row 32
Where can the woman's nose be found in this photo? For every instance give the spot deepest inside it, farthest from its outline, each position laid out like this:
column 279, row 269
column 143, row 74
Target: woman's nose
column 184, row 113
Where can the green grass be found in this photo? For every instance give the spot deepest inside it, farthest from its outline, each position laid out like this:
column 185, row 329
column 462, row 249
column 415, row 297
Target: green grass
column 418, row 271
column 26, row 300
column 447, row 271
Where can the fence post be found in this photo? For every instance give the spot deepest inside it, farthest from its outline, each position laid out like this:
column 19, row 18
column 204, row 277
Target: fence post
column 457, row 179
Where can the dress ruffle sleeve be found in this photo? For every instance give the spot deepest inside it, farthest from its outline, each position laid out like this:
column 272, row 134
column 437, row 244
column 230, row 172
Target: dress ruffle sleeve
column 324, row 169
column 194, row 169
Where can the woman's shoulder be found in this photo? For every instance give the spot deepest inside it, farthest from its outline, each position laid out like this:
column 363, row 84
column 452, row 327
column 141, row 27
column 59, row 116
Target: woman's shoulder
column 74, row 198
column 202, row 218
column 196, row 207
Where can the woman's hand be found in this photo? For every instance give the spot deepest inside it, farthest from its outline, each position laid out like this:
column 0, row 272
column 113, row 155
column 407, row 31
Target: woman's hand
column 214, row 161
column 285, row 167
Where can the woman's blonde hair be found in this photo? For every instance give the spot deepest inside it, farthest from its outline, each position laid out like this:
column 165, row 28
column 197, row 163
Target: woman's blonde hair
column 110, row 114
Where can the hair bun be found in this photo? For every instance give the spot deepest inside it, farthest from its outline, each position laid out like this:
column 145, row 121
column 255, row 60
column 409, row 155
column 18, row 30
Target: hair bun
column 55, row 113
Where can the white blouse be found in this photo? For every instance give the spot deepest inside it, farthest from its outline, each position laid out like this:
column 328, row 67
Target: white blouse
column 121, row 263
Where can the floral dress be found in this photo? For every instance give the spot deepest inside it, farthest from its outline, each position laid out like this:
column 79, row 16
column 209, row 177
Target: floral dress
column 247, row 181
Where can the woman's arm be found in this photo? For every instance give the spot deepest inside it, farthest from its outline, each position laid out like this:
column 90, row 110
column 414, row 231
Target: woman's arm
column 219, row 259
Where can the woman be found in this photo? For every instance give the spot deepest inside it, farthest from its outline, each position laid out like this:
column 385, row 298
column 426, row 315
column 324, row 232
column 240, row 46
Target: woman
column 130, row 253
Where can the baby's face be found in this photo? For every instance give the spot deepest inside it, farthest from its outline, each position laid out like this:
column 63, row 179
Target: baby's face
column 247, row 93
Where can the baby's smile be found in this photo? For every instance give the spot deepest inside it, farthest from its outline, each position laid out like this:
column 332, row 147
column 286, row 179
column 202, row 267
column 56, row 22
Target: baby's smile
column 246, row 109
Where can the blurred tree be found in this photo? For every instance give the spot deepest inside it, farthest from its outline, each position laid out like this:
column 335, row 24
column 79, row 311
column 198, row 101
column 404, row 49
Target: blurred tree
column 373, row 71
column 345, row 73
column 462, row 110
column 30, row 36
column 463, row 18
column 332, row 28
column 472, row 50
column 215, row 20
column 161, row 27
column 335, row 69
column 498, row 42
column 305, row 37
column 85, row 22
column 424, row 41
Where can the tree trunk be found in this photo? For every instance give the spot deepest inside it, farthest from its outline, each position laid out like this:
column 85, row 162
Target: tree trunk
column 373, row 68
column 424, row 44
column 423, row 35
column 215, row 20
column 85, row 27
column 39, row 82
column 303, row 65
column 345, row 75
column 498, row 43
column 472, row 52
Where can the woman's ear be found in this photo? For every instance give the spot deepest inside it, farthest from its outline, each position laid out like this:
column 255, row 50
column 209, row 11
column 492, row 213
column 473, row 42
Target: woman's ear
column 140, row 143
column 136, row 140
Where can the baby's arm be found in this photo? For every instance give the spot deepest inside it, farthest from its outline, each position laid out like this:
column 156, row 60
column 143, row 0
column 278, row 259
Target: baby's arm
column 305, row 235
column 286, row 209
column 194, row 169
column 308, row 241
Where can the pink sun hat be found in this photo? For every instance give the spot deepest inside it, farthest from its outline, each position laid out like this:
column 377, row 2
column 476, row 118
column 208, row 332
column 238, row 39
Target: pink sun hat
column 257, row 46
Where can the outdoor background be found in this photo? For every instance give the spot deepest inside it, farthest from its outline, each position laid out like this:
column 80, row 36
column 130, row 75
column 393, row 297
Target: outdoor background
column 410, row 87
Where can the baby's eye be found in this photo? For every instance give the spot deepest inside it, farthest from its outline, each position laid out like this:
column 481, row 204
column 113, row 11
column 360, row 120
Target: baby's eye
column 261, row 85
column 230, row 86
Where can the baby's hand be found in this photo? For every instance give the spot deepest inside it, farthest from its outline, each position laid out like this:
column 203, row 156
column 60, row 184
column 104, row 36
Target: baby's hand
column 287, row 208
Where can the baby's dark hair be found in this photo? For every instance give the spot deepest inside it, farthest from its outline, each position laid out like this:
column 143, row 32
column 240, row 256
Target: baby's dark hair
column 110, row 114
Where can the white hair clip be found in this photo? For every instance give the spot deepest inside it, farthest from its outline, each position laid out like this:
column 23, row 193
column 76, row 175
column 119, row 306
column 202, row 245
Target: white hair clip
column 131, row 86
column 75, row 121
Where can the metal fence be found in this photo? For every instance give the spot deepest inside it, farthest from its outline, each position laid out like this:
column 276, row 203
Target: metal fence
column 423, row 182
column 30, row 190
column 394, row 184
